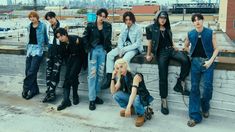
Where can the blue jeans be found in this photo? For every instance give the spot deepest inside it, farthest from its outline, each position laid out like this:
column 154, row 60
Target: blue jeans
column 96, row 61
column 122, row 99
column 198, row 71
column 31, row 70
column 113, row 53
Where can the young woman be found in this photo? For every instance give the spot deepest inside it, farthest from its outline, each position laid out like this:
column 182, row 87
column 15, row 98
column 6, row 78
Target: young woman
column 160, row 43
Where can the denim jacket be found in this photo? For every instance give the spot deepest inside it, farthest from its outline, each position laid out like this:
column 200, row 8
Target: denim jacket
column 136, row 37
column 206, row 37
column 42, row 39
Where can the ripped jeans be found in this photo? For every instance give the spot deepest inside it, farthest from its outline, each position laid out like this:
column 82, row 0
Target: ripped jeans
column 96, row 61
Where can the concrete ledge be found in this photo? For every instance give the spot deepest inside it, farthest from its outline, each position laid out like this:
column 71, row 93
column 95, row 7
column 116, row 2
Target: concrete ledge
column 226, row 60
column 222, row 63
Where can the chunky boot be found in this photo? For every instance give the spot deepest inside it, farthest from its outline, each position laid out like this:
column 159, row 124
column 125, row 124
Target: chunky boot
column 51, row 96
column 64, row 105
column 92, row 105
column 180, row 87
column 98, row 100
column 139, row 121
column 122, row 112
column 106, row 85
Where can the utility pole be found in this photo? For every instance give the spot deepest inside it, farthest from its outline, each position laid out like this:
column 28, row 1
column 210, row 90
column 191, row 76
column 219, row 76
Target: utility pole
column 35, row 5
column 113, row 11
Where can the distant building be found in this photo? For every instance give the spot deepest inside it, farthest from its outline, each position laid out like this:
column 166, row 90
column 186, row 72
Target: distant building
column 138, row 9
column 227, row 17
column 9, row 2
column 146, row 9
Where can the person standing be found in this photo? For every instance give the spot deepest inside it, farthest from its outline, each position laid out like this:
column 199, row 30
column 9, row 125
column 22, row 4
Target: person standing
column 74, row 54
column 54, row 58
column 37, row 38
column 97, row 38
column 203, row 52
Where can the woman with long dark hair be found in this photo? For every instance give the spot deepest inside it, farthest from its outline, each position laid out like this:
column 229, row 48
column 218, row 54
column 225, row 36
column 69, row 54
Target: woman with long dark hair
column 160, row 43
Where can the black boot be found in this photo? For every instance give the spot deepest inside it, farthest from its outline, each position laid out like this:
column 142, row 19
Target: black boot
column 98, row 100
column 75, row 93
column 106, row 85
column 51, row 96
column 64, row 105
column 24, row 93
column 179, row 87
column 66, row 101
column 164, row 107
column 92, row 105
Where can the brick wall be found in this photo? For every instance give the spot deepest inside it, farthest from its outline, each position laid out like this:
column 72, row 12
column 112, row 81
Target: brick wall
column 231, row 19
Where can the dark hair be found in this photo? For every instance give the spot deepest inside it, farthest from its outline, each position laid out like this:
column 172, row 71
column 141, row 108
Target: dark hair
column 130, row 14
column 50, row 14
column 102, row 10
column 198, row 15
column 167, row 25
column 61, row 31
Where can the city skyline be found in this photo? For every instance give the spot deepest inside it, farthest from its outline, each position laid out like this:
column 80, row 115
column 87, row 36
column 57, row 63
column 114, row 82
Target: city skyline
column 126, row 1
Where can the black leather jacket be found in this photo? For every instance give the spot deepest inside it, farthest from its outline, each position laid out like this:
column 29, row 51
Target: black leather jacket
column 91, row 36
column 153, row 33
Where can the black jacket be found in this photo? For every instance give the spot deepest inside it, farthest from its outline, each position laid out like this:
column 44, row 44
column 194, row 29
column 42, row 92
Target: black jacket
column 153, row 33
column 72, row 49
column 91, row 36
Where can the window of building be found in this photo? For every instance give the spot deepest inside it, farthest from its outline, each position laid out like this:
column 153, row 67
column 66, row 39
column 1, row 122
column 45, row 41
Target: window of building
column 233, row 23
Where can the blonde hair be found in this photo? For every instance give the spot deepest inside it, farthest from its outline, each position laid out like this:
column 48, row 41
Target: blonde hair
column 122, row 62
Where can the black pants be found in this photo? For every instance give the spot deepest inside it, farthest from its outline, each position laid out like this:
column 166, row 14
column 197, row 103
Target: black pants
column 31, row 70
column 163, row 58
column 73, row 68
column 53, row 71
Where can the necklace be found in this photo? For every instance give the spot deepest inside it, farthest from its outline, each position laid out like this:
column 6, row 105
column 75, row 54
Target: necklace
column 162, row 32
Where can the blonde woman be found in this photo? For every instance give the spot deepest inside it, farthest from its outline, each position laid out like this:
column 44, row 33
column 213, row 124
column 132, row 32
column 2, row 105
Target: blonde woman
column 129, row 91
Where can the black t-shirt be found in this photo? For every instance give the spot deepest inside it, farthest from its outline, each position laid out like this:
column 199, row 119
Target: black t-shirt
column 101, row 37
column 128, row 40
column 199, row 50
column 33, row 35
column 164, row 40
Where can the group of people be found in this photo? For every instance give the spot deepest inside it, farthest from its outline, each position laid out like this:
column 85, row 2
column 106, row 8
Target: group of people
column 94, row 49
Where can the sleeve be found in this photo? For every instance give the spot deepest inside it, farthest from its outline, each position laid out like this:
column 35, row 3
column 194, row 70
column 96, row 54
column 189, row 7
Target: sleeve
column 86, row 35
column 120, row 40
column 148, row 32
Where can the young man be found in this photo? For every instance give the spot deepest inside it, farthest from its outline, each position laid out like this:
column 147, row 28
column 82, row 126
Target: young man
column 129, row 91
column 160, row 43
column 97, row 38
column 203, row 52
column 54, row 58
column 37, row 39
column 129, row 44
column 75, row 53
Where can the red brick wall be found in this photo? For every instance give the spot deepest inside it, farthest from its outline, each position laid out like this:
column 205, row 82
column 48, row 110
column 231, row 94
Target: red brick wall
column 230, row 29
column 145, row 9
